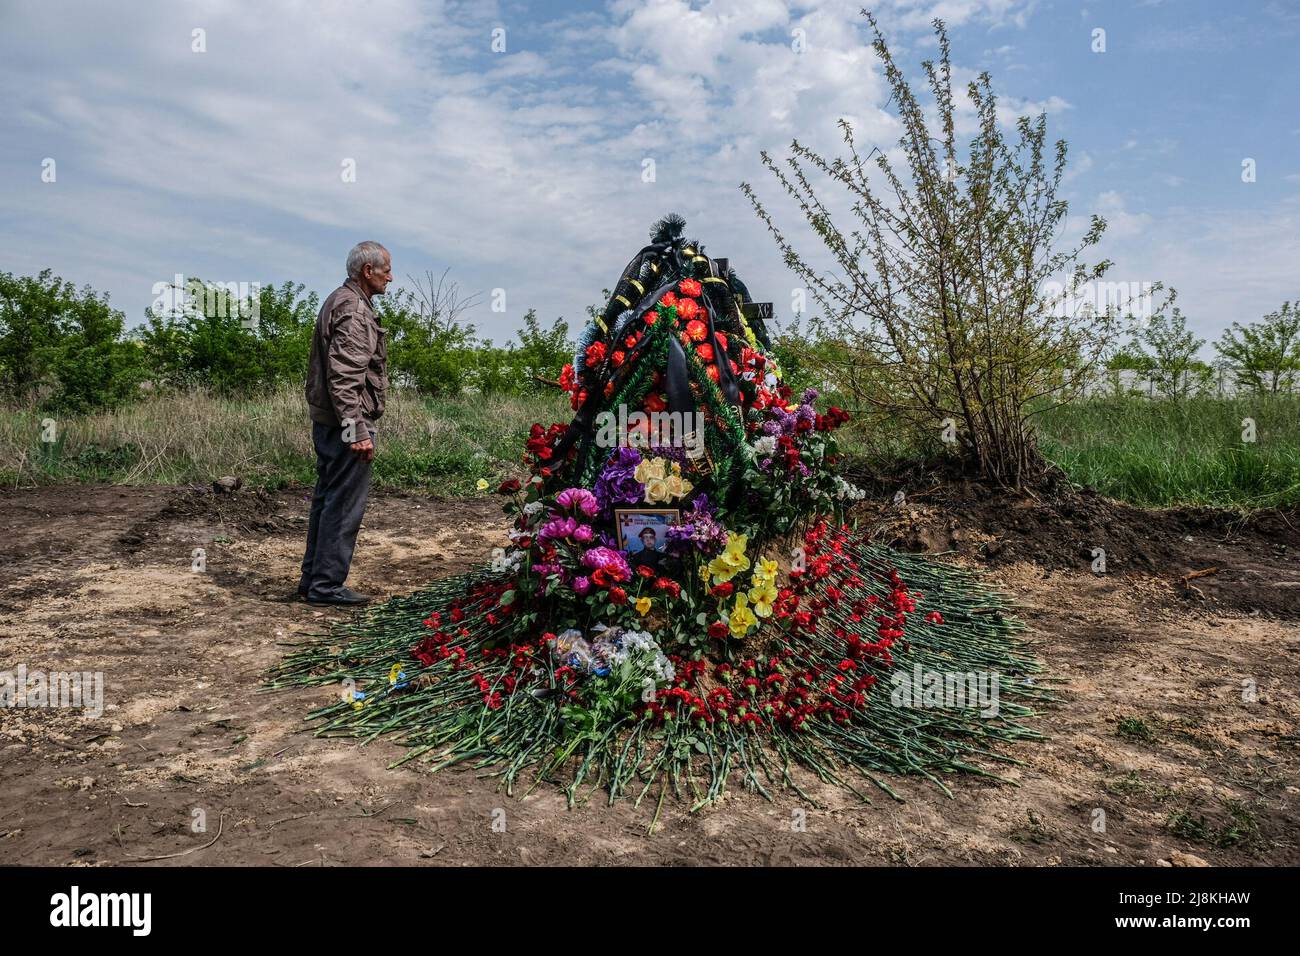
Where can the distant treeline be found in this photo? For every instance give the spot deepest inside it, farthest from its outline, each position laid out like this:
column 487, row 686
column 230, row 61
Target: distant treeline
column 65, row 349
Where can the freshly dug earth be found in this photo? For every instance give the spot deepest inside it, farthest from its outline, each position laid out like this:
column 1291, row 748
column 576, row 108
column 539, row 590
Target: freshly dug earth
column 1248, row 562
column 1174, row 740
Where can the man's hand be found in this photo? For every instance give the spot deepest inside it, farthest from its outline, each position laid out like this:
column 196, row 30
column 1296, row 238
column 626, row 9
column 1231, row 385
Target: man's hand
column 366, row 449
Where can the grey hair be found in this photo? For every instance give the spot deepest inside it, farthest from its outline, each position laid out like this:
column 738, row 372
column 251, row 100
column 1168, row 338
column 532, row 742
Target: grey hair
column 365, row 254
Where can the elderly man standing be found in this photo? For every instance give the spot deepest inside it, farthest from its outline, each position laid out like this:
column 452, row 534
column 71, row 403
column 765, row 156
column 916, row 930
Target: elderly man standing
column 347, row 376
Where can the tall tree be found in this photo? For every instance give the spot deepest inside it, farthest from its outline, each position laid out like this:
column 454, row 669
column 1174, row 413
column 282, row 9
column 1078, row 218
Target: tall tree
column 1166, row 350
column 942, row 282
column 1265, row 355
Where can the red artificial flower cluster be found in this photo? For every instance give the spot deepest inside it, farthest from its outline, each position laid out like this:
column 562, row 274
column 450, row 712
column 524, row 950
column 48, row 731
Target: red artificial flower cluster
column 834, row 418
column 538, row 447
column 787, row 452
column 668, row 586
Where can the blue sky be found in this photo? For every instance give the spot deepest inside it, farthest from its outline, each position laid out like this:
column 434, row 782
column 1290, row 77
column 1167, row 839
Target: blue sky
column 522, row 170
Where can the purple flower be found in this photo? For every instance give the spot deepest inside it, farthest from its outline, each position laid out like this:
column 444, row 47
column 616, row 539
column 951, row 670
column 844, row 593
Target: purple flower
column 699, row 529
column 581, row 585
column 578, row 499
column 583, row 533
column 617, row 484
column 809, row 396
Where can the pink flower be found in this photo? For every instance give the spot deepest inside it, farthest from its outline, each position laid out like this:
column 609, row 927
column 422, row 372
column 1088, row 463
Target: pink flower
column 578, row 499
column 610, row 561
column 583, row 534
column 557, row 529
column 581, row 585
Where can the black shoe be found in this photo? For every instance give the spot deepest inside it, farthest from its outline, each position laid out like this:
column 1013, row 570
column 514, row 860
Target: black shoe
column 345, row 597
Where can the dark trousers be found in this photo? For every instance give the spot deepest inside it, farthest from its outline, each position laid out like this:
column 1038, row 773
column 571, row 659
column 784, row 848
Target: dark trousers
column 337, row 506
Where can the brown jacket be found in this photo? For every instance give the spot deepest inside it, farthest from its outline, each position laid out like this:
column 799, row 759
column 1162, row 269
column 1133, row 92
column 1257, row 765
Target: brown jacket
column 347, row 374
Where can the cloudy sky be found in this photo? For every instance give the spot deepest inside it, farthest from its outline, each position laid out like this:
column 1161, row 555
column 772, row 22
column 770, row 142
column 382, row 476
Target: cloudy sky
column 522, row 168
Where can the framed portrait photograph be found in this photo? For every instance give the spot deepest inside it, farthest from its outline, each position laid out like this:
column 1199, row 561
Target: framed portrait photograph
column 643, row 534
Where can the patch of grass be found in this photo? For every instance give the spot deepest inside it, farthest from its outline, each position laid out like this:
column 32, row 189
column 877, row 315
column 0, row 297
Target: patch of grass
column 1134, row 728
column 1149, row 453
column 442, row 445
column 1162, row 453
column 1182, row 823
column 1239, row 828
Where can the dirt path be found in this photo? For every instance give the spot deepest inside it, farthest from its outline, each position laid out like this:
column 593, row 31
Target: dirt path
column 1152, row 730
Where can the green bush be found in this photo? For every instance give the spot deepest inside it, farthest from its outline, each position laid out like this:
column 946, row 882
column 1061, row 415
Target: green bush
column 62, row 349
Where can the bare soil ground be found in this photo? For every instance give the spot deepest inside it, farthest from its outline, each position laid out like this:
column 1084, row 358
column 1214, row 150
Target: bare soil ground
column 1177, row 728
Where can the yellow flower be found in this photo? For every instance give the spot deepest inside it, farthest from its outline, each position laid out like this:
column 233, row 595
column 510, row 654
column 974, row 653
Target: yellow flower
column 482, row 484
column 742, row 618
column 394, row 673
column 767, row 568
column 649, row 469
column 763, row 596
column 731, row 561
column 678, row 487
column 643, row 606
column 656, row 490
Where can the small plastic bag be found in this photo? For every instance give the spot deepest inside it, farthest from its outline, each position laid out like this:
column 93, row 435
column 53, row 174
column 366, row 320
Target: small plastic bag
column 571, row 649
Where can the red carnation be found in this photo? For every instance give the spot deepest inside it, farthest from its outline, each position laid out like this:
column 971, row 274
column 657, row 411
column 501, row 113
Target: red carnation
column 618, row 595
column 718, row 630
column 705, row 351
column 690, row 286
column 508, row 487
column 651, row 317
column 697, row 330
column 687, row 309
column 723, row 590
column 669, row 298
